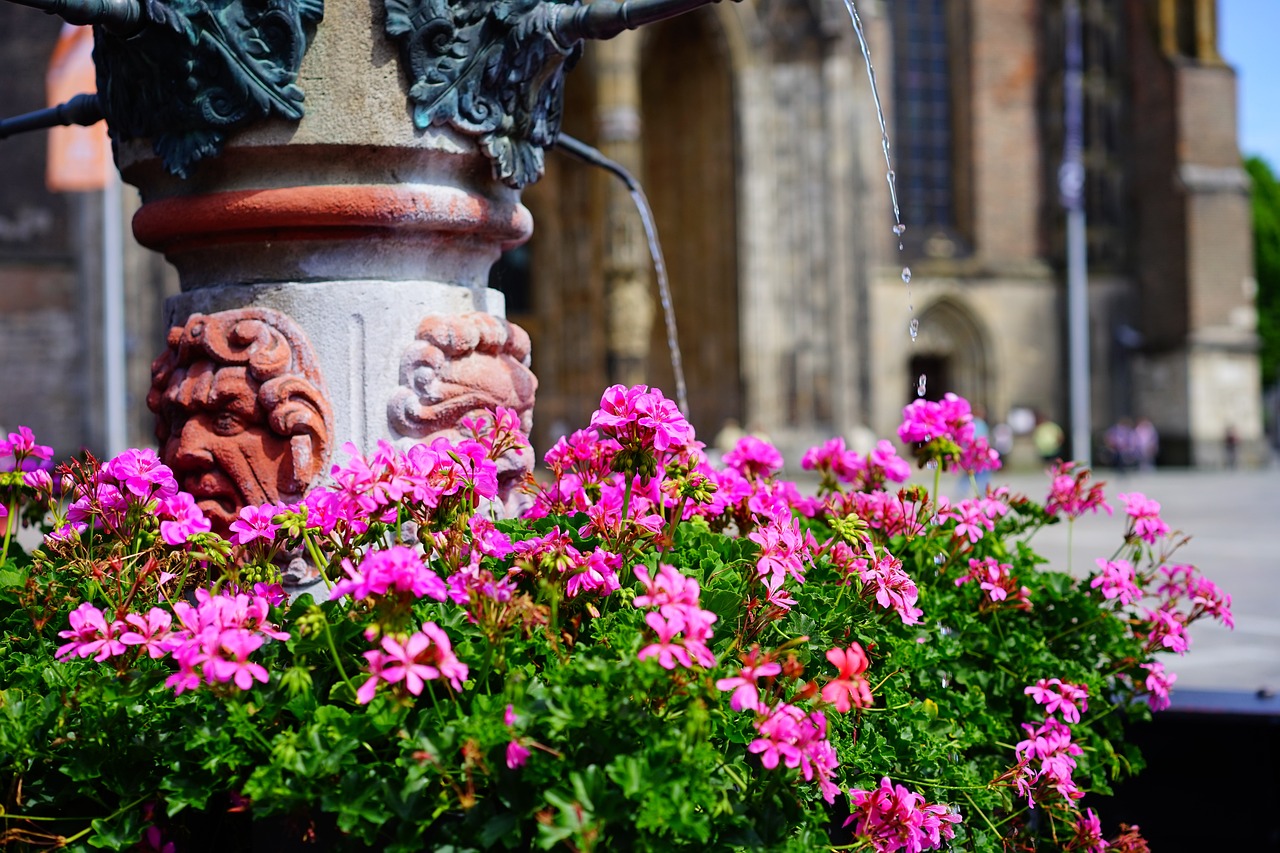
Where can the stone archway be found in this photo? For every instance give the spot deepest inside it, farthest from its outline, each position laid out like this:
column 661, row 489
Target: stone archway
column 690, row 147
column 953, row 357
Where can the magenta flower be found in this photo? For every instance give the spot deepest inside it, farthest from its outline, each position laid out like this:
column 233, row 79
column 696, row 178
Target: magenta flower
column 255, row 522
column 151, row 632
column 426, row 655
column 1071, row 494
column 1117, row 581
column 891, row 818
column 1144, row 517
column 231, row 662
column 396, row 570
column 892, row 588
column 142, row 473
column 1057, row 695
column 181, row 518
column 746, row 694
column 754, row 458
column 27, row 454
column 1088, row 835
column 517, row 755
column 91, row 635
column 1158, row 683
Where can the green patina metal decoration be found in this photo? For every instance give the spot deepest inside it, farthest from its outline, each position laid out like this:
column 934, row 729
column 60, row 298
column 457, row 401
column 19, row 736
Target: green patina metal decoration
column 492, row 70
column 197, row 71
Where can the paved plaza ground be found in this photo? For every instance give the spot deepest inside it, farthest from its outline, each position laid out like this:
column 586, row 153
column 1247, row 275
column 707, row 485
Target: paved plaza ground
column 1233, row 518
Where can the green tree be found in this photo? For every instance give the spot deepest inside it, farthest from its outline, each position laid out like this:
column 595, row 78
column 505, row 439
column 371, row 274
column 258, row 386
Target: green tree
column 1266, row 256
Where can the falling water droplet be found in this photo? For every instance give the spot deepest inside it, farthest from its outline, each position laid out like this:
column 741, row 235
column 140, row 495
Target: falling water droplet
column 915, row 329
column 920, row 385
column 906, row 274
column 938, row 559
column 931, row 464
column 899, row 229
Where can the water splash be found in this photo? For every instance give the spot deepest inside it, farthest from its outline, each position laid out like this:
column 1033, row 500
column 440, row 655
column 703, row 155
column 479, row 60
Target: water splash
column 664, row 294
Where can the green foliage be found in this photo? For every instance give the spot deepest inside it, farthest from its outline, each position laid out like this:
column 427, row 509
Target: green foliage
column 623, row 753
column 1266, row 255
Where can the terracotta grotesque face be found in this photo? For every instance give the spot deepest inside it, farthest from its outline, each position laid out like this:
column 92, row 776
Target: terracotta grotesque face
column 242, row 413
column 458, row 366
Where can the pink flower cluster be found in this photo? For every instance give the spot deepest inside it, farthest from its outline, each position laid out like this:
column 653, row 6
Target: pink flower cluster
column 745, row 685
column 884, row 579
column 1144, row 517
column 396, row 571
column 863, row 473
column 136, row 480
column 211, row 641
column 798, row 740
column 682, row 627
column 754, row 458
column 1088, row 834
column 1158, row 684
column 974, row 517
column 640, row 418
column 891, row 818
column 20, row 452
column 1050, row 747
column 517, row 753
column 256, row 522
column 426, row 655
column 425, row 476
column 1071, row 494
column 996, row 580
column 1058, row 695
column 1118, row 581
column 554, row 554
column 926, row 423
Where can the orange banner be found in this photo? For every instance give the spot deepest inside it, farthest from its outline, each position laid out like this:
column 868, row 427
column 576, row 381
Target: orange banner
column 79, row 157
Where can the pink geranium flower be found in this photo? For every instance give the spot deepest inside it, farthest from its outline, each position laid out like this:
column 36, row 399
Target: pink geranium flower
column 849, row 689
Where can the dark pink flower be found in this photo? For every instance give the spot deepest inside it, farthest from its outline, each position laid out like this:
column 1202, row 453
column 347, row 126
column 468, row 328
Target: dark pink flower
column 517, row 755
column 891, row 818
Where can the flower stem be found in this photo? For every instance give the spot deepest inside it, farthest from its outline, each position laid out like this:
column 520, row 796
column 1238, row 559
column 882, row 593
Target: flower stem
column 10, row 521
column 337, row 659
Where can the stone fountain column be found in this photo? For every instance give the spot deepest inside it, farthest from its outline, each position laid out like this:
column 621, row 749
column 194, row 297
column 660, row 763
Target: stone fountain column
column 333, row 196
column 333, row 181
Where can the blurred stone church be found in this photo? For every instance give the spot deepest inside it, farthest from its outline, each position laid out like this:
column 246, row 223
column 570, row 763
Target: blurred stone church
column 753, row 130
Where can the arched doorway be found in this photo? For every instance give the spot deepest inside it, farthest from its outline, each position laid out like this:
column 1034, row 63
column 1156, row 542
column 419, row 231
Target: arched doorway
column 689, row 139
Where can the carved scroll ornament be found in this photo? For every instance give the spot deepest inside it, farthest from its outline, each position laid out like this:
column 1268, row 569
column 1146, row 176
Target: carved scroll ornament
column 199, row 70
column 242, row 412
column 492, row 70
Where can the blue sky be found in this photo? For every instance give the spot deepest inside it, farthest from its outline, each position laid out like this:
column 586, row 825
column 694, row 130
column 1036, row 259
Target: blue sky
column 1247, row 38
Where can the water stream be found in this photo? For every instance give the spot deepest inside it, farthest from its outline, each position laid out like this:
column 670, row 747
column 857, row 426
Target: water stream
column 899, row 228
column 587, row 154
column 664, row 294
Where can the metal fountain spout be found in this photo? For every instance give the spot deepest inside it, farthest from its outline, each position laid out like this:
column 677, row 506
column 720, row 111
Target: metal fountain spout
column 605, row 19
column 122, row 17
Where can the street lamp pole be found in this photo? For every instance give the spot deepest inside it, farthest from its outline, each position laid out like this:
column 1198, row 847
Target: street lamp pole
column 1071, row 184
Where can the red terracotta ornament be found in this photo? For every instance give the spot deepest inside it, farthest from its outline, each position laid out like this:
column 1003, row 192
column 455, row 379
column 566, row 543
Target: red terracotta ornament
column 242, row 411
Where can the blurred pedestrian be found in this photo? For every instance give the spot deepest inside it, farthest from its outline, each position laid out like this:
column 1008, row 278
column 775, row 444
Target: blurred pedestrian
column 1120, row 446
column 1231, row 445
column 1048, row 438
column 1146, row 444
